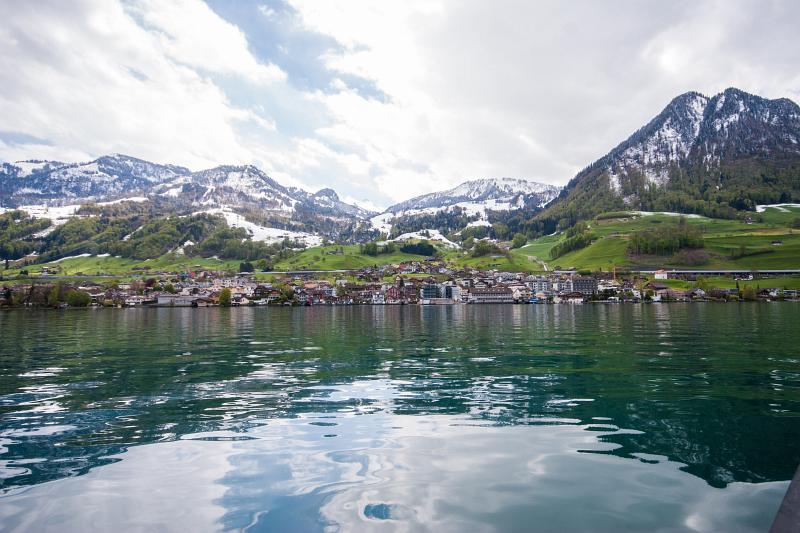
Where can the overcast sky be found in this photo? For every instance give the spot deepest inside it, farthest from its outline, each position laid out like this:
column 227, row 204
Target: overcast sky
column 380, row 101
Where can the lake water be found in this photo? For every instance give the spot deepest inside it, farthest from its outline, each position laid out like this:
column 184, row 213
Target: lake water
column 662, row 417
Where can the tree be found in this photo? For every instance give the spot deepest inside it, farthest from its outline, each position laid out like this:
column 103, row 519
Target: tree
column 54, row 296
column 246, row 266
column 749, row 293
column 370, row 248
column 78, row 298
column 225, row 297
column 702, row 283
column 519, row 240
column 500, row 230
column 482, row 248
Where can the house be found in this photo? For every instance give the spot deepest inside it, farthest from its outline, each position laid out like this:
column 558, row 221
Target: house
column 661, row 274
column 134, row 300
column 393, row 295
column 671, row 294
column 574, row 297
column 520, row 292
column 696, row 293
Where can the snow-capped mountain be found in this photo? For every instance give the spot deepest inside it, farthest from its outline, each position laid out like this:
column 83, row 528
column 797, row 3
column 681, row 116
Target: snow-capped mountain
column 117, row 177
column 240, row 186
column 327, row 202
column 705, row 131
column 239, row 190
column 497, row 193
column 108, row 177
column 700, row 154
column 468, row 204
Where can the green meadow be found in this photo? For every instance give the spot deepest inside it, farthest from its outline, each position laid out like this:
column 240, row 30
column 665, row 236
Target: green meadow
column 768, row 244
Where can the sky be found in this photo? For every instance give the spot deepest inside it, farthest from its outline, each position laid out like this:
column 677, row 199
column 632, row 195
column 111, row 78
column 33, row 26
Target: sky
column 378, row 100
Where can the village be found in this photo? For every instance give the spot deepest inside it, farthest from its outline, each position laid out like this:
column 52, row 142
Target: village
column 423, row 283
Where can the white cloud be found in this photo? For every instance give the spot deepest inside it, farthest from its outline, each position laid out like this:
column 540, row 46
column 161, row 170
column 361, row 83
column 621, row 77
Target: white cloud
column 521, row 89
column 532, row 90
column 192, row 34
column 89, row 79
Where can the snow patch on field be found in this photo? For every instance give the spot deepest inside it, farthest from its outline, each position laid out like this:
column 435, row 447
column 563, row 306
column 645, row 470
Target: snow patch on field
column 665, row 213
column 262, row 233
column 29, row 167
column 58, row 214
column 433, row 235
column 477, row 223
column 778, row 207
column 131, row 199
column 71, row 257
column 382, row 222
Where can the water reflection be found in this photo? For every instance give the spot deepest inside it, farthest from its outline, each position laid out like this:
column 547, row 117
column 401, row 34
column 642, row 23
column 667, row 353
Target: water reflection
column 447, row 418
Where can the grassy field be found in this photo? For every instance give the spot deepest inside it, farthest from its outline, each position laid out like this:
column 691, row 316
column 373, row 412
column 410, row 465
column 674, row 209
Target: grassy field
column 320, row 258
column 118, row 266
column 723, row 240
column 517, row 261
column 780, row 282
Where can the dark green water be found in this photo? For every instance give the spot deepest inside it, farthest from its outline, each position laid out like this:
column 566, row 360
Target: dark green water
column 670, row 417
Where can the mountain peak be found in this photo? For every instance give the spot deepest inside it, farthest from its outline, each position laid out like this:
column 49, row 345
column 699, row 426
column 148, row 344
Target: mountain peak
column 326, row 193
column 731, row 144
column 500, row 193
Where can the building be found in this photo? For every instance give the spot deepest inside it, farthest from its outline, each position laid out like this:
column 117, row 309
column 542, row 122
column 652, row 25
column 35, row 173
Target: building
column 572, row 298
column 430, row 291
column 491, row 295
column 585, row 285
column 176, row 300
column 452, row 292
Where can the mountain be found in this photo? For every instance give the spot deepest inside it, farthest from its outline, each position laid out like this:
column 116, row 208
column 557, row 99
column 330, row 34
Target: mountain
column 473, row 203
column 710, row 155
column 498, row 193
column 327, row 202
column 108, row 177
column 232, row 190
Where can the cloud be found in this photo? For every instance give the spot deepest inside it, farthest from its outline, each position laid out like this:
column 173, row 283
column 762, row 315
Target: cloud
column 532, row 90
column 380, row 101
column 192, row 34
column 91, row 80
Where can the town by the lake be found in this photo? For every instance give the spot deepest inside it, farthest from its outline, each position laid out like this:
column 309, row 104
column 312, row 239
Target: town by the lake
column 423, row 282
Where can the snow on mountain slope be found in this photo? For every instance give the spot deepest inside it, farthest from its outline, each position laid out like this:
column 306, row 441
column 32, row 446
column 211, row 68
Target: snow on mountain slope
column 501, row 190
column 704, row 131
column 105, row 178
column 475, row 197
column 262, row 233
column 426, row 234
column 26, row 168
column 239, row 190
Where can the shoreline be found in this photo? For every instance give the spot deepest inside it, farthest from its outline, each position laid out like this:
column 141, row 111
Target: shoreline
column 441, row 305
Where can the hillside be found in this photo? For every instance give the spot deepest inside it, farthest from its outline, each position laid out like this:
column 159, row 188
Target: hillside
column 714, row 156
column 473, row 203
column 771, row 241
column 172, row 190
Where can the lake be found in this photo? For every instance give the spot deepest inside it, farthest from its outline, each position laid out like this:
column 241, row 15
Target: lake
column 662, row 417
